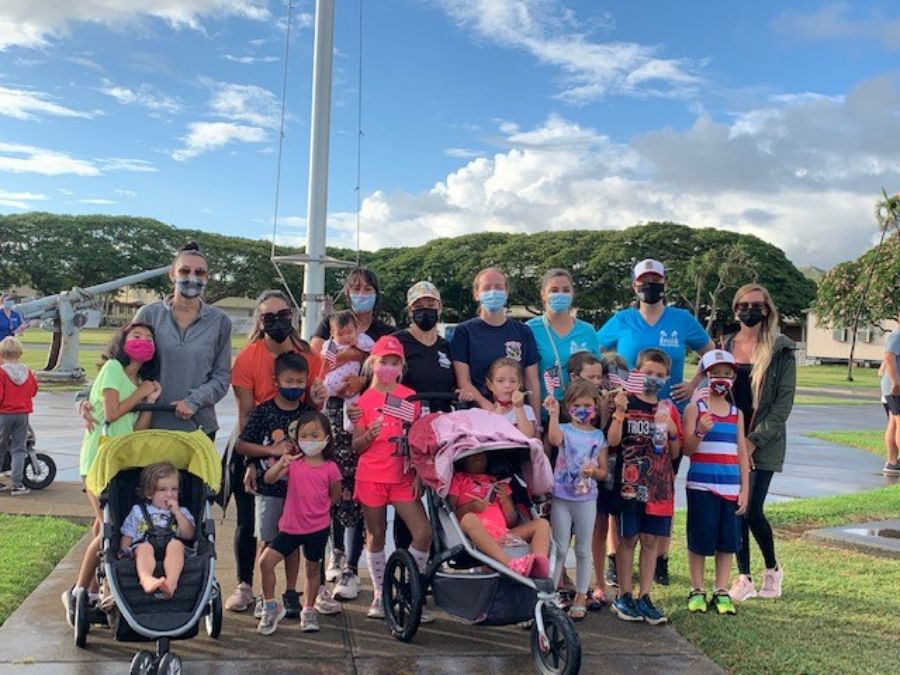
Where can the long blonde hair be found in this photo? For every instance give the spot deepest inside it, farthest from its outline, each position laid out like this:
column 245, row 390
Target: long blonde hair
column 768, row 333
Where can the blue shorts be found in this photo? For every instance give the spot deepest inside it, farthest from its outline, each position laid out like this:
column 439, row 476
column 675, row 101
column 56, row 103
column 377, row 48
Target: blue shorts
column 712, row 526
column 634, row 520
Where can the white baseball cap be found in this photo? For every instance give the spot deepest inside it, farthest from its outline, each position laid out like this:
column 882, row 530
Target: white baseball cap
column 714, row 357
column 649, row 266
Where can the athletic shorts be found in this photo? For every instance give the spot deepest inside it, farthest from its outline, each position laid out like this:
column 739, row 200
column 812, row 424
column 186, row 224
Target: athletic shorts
column 607, row 501
column 712, row 526
column 634, row 520
column 313, row 544
column 267, row 514
column 892, row 404
column 375, row 494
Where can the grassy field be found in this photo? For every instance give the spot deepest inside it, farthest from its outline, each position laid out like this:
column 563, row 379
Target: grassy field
column 29, row 548
column 808, row 399
column 835, row 377
column 98, row 337
column 867, row 439
column 834, row 616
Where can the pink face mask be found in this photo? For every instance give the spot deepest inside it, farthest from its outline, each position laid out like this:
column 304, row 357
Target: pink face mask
column 387, row 373
column 140, row 349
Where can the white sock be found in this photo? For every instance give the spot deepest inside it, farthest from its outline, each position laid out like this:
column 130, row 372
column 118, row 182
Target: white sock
column 76, row 589
column 421, row 558
column 376, row 560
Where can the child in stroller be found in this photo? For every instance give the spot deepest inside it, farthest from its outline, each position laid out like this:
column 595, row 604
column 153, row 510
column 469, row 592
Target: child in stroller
column 158, row 529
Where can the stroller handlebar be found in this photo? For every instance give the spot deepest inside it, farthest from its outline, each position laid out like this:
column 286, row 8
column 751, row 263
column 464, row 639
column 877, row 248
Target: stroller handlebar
column 159, row 407
column 450, row 397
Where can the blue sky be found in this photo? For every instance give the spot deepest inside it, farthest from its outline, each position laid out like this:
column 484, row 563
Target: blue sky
column 773, row 118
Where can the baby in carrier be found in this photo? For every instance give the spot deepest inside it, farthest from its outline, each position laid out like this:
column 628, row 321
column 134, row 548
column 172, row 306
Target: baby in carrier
column 158, row 529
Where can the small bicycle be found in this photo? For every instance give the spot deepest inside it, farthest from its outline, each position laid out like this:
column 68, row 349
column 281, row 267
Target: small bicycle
column 40, row 469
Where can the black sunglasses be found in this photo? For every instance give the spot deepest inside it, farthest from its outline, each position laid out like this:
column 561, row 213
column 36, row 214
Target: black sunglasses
column 744, row 306
column 275, row 316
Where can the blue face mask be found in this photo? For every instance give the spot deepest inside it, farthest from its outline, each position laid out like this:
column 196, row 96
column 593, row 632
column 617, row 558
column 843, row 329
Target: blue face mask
column 493, row 301
column 559, row 302
column 292, row 393
column 362, row 303
column 9, row 303
column 654, row 385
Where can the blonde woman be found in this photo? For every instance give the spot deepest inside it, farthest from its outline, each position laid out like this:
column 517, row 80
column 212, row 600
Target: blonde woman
column 764, row 392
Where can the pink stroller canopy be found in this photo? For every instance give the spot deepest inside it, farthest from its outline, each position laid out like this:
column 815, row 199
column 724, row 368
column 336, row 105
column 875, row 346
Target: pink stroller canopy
column 437, row 440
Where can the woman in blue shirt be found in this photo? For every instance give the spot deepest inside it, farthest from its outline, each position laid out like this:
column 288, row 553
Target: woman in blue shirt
column 557, row 333
column 11, row 322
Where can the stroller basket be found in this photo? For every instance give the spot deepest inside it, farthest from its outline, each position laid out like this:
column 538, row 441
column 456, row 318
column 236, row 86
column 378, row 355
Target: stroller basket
column 489, row 599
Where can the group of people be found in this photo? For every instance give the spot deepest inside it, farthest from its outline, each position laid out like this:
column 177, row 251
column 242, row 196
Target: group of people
column 315, row 456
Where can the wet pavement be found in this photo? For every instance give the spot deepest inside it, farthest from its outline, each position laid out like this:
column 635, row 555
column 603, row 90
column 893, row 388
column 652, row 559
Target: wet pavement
column 875, row 538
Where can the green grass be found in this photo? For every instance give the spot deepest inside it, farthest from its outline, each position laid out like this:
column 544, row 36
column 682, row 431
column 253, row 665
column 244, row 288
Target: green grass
column 805, row 399
column 29, row 548
column 838, row 608
column 37, row 337
column 835, row 377
column 867, row 439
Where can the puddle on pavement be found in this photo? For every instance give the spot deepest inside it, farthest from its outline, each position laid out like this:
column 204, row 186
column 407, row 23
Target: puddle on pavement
column 883, row 533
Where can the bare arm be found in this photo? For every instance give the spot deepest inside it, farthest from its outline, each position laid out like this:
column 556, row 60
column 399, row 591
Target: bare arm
column 890, row 369
column 744, row 462
column 124, row 542
column 185, row 528
column 245, row 403
column 467, row 390
column 692, row 435
column 614, row 435
column 554, row 431
column 114, row 408
column 279, row 468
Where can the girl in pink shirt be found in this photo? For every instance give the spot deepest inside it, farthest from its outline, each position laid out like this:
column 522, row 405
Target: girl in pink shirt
column 384, row 476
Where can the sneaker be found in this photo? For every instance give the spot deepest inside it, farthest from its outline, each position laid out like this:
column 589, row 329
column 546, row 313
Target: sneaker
column 891, row 469
column 743, row 589
column 522, row 565
column 697, row 602
column 376, row 611
column 661, row 576
column 69, row 600
column 722, row 602
column 347, row 587
column 291, row 601
column 625, row 608
column 258, row 606
column 309, row 620
column 611, row 578
column 541, row 567
column 268, row 622
column 336, row 562
column 325, row 604
column 240, row 599
column 649, row 611
column 771, row 585
column 19, row 490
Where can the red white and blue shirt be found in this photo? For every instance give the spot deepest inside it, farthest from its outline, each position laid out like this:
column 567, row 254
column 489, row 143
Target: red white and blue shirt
column 714, row 466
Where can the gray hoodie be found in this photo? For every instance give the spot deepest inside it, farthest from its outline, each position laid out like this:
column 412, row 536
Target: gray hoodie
column 17, row 372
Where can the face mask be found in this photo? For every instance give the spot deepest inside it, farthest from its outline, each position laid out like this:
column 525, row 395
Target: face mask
column 720, row 386
column 362, row 303
column 139, row 349
column 190, row 286
column 312, row 448
column 651, row 292
column 654, row 385
column 559, row 302
column 493, row 301
column 8, row 304
column 278, row 329
column 582, row 413
column 750, row 317
column 425, row 318
column 292, row 393
column 387, row 373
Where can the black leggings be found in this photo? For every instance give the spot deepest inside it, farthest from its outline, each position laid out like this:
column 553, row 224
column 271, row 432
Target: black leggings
column 244, row 538
column 350, row 540
column 756, row 521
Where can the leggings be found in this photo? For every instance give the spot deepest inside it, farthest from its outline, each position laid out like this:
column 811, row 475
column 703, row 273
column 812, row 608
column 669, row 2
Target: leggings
column 351, row 540
column 244, row 539
column 566, row 515
column 755, row 520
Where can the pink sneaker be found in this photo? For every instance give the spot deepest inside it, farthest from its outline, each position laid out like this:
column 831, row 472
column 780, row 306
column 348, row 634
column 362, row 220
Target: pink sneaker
column 541, row 567
column 743, row 589
column 771, row 585
column 522, row 565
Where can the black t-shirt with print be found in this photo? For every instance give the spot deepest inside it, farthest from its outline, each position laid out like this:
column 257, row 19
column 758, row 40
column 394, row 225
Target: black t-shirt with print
column 267, row 425
column 428, row 368
column 641, row 474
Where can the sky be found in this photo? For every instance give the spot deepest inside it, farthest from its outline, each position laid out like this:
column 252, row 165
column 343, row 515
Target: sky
column 779, row 119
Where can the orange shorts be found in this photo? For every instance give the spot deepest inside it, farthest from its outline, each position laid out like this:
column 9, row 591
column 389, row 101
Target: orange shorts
column 375, row 494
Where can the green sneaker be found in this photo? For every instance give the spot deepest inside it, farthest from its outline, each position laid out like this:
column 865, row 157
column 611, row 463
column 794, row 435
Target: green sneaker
column 723, row 603
column 697, row 602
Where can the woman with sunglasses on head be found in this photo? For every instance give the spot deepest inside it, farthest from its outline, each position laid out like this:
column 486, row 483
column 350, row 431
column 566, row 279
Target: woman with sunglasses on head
column 252, row 378
column 764, row 392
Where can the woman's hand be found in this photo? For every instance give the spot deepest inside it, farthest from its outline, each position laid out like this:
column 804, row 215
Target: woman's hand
column 250, row 476
column 183, row 410
column 352, row 386
column 317, row 393
column 683, row 391
column 468, row 393
column 87, row 415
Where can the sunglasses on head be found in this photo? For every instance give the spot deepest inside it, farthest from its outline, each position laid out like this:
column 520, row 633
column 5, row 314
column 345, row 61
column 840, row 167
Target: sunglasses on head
column 274, row 316
column 743, row 306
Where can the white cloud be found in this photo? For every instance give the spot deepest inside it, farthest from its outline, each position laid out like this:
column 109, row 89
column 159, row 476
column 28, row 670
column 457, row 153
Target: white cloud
column 833, row 21
column 205, row 136
column 33, row 23
column 145, row 95
column 125, row 193
column 251, row 60
column 463, row 153
column 27, row 104
column 246, row 103
column 97, row 201
column 20, row 200
column 548, row 31
column 126, row 164
column 85, row 62
column 17, row 158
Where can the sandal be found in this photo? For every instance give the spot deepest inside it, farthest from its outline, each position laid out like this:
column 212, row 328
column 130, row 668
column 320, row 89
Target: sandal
column 596, row 600
column 577, row 612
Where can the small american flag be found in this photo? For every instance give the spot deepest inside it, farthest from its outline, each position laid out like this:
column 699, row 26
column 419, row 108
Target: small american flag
column 399, row 408
column 633, row 384
column 551, row 379
column 330, row 353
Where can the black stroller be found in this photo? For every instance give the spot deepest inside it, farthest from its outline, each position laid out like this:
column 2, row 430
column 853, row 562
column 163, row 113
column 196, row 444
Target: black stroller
column 138, row 617
column 465, row 582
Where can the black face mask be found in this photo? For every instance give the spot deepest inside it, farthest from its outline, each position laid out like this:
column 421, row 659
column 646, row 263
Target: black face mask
column 750, row 317
column 278, row 329
column 651, row 292
column 425, row 318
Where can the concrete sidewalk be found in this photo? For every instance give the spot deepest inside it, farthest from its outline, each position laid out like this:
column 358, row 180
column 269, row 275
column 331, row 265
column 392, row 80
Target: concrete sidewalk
column 347, row 643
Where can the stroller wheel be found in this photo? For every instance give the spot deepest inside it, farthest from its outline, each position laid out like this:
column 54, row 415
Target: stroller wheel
column 560, row 653
column 402, row 595
column 40, row 476
column 82, row 619
column 169, row 664
column 142, row 663
column 213, row 618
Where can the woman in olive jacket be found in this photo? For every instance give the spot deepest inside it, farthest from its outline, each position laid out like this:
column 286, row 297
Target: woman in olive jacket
column 764, row 392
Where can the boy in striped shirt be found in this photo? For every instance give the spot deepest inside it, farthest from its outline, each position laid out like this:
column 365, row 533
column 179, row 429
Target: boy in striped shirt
column 717, row 482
